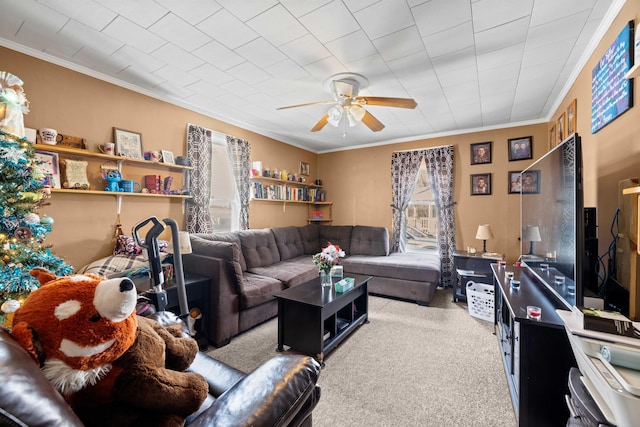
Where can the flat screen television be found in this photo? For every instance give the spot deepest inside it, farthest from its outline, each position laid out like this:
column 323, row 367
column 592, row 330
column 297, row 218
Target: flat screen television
column 552, row 220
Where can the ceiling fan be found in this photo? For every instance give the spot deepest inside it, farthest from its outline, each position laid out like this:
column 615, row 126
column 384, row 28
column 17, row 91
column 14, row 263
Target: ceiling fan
column 349, row 106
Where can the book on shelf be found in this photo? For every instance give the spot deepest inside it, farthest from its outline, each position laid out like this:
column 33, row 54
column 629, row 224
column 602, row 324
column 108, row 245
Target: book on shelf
column 152, row 183
column 611, row 322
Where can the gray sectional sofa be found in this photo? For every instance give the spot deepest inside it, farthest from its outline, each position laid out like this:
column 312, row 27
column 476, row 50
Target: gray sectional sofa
column 247, row 267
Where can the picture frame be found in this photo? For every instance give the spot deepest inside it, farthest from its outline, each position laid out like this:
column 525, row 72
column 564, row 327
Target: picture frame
column 531, row 182
column 481, row 153
column 481, row 184
column 561, row 128
column 128, row 143
column 552, row 137
column 167, row 157
column 572, row 117
column 520, row 148
column 49, row 166
column 304, row 169
column 514, row 182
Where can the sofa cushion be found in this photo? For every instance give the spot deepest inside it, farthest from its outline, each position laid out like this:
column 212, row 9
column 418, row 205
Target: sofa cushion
column 228, row 251
column 367, row 240
column 339, row 235
column 291, row 272
column 310, row 240
column 257, row 289
column 258, row 247
column 225, row 236
column 406, row 266
column 288, row 241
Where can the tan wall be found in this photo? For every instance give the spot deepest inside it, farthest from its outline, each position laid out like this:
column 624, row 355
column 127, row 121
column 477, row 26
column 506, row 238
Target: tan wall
column 79, row 105
column 361, row 190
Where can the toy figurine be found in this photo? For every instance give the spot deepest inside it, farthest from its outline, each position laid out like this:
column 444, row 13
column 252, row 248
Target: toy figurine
column 113, row 178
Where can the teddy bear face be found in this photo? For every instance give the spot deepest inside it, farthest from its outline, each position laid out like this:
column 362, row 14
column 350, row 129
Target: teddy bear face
column 84, row 321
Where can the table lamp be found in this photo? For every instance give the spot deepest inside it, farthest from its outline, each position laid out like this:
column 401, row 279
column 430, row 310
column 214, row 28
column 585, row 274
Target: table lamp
column 484, row 233
column 532, row 234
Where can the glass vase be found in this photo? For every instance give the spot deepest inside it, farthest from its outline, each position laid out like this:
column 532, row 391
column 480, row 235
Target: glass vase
column 325, row 279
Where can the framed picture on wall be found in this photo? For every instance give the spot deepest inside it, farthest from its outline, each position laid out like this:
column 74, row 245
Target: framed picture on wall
column 531, row 182
column 515, row 182
column 481, row 153
column 561, row 128
column 520, row 148
column 552, row 137
column 481, row 184
column 128, row 144
column 304, row 169
column 571, row 117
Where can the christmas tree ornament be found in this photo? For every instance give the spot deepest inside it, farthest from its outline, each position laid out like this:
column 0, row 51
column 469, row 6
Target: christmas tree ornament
column 32, row 218
column 47, row 220
column 13, row 104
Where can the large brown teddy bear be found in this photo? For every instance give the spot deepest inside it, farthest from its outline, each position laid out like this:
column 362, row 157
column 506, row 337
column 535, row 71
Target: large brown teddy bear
column 113, row 367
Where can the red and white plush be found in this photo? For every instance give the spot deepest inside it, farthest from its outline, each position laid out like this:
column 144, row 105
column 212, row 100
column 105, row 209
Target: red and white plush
column 113, row 367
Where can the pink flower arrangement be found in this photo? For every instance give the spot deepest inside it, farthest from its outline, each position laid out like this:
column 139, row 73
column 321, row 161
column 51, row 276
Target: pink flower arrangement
column 329, row 257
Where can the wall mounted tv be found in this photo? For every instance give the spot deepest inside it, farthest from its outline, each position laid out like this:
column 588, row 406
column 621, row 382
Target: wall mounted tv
column 552, row 221
column 611, row 92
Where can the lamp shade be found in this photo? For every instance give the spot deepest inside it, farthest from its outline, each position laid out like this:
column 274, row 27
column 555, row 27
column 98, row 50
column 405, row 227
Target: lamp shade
column 184, row 242
column 335, row 114
column 355, row 113
column 484, row 232
column 531, row 234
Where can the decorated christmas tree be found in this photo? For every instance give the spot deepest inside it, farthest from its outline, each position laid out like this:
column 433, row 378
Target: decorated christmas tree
column 22, row 193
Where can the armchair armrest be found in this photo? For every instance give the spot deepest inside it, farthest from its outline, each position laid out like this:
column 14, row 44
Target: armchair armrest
column 280, row 392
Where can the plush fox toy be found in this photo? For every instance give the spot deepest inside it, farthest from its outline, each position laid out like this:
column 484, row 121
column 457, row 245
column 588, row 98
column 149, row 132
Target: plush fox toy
column 112, row 367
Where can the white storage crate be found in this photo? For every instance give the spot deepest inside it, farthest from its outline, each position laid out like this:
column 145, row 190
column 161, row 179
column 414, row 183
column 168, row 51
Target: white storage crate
column 480, row 300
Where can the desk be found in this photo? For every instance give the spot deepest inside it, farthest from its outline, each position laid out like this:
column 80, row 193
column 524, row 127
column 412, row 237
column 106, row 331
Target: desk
column 471, row 267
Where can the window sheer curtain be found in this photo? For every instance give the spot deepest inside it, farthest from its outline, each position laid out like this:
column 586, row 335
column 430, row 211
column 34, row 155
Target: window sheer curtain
column 240, row 157
column 404, row 170
column 199, row 142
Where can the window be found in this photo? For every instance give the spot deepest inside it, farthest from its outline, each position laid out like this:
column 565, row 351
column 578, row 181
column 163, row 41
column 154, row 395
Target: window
column 422, row 217
column 224, row 202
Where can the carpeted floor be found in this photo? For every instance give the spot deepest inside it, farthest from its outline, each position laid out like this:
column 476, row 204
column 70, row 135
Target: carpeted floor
column 410, row 366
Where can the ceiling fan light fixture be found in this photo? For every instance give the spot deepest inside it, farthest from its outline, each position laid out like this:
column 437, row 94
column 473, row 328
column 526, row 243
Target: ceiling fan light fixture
column 335, row 115
column 355, row 113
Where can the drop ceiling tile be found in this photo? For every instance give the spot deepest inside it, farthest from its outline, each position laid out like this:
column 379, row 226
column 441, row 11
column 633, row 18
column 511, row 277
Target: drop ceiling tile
column 287, row 69
column 330, row 22
column 205, row 88
column 287, row 29
column 450, row 40
column 179, row 32
column 142, row 12
column 560, row 29
column 325, row 67
column 192, row 11
column 498, row 58
column 238, row 88
column 550, row 10
column 249, row 73
column 462, row 59
column 502, row 36
column 384, row 17
column 89, row 13
column 141, row 77
column 227, row 29
column 95, row 60
column 410, row 64
column 129, row 56
column 219, row 55
column 370, row 67
column 41, row 38
column 175, row 75
column 247, row 9
column 172, row 54
column 9, row 25
column 439, row 15
column 399, row 44
column 211, row 74
column 299, row 8
column 305, row 50
column 173, row 91
column 351, row 47
column 356, row 5
column 133, row 35
column 493, row 13
column 261, row 53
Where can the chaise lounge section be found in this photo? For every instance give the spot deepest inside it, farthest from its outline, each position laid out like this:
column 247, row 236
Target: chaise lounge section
column 247, row 267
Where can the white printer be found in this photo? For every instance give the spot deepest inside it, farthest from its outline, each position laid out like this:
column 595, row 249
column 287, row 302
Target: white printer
column 610, row 368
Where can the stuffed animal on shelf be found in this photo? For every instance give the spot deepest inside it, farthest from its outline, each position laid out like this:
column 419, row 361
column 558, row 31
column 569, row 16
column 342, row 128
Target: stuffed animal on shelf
column 113, row 178
column 113, row 367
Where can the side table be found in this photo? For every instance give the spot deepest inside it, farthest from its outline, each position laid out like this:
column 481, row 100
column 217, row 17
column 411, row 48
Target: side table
column 472, row 267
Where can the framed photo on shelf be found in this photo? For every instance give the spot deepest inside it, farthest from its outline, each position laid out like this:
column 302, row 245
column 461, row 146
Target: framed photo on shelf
column 481, row 184
column 515, row 182
column 520, row 148
column 571, row 117
column 531, row 182
column 304, row 169
column 167, row 157
column 561, row 127
column 128, row 143
column 481, row 153
column 49, row 166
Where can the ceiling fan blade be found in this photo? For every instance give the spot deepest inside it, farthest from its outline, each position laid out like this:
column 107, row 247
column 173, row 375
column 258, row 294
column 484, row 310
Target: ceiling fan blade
column 386, row 102
column 371, row 122
column 304, row 105
column 321, row 123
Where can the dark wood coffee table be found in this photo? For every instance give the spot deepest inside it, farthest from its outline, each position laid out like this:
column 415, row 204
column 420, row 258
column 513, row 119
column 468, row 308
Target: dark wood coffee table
column 314, row 320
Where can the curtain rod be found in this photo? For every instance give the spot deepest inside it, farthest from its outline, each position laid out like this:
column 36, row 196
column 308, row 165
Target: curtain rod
column 425, row 148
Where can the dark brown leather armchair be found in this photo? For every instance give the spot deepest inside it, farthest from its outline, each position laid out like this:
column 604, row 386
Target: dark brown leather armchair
column 281, row 392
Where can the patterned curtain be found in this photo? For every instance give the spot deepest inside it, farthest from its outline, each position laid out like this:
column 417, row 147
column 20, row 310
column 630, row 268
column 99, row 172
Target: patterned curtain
column 439, row 162
column 404, row 170
column 199, row 152
column 240, row 157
